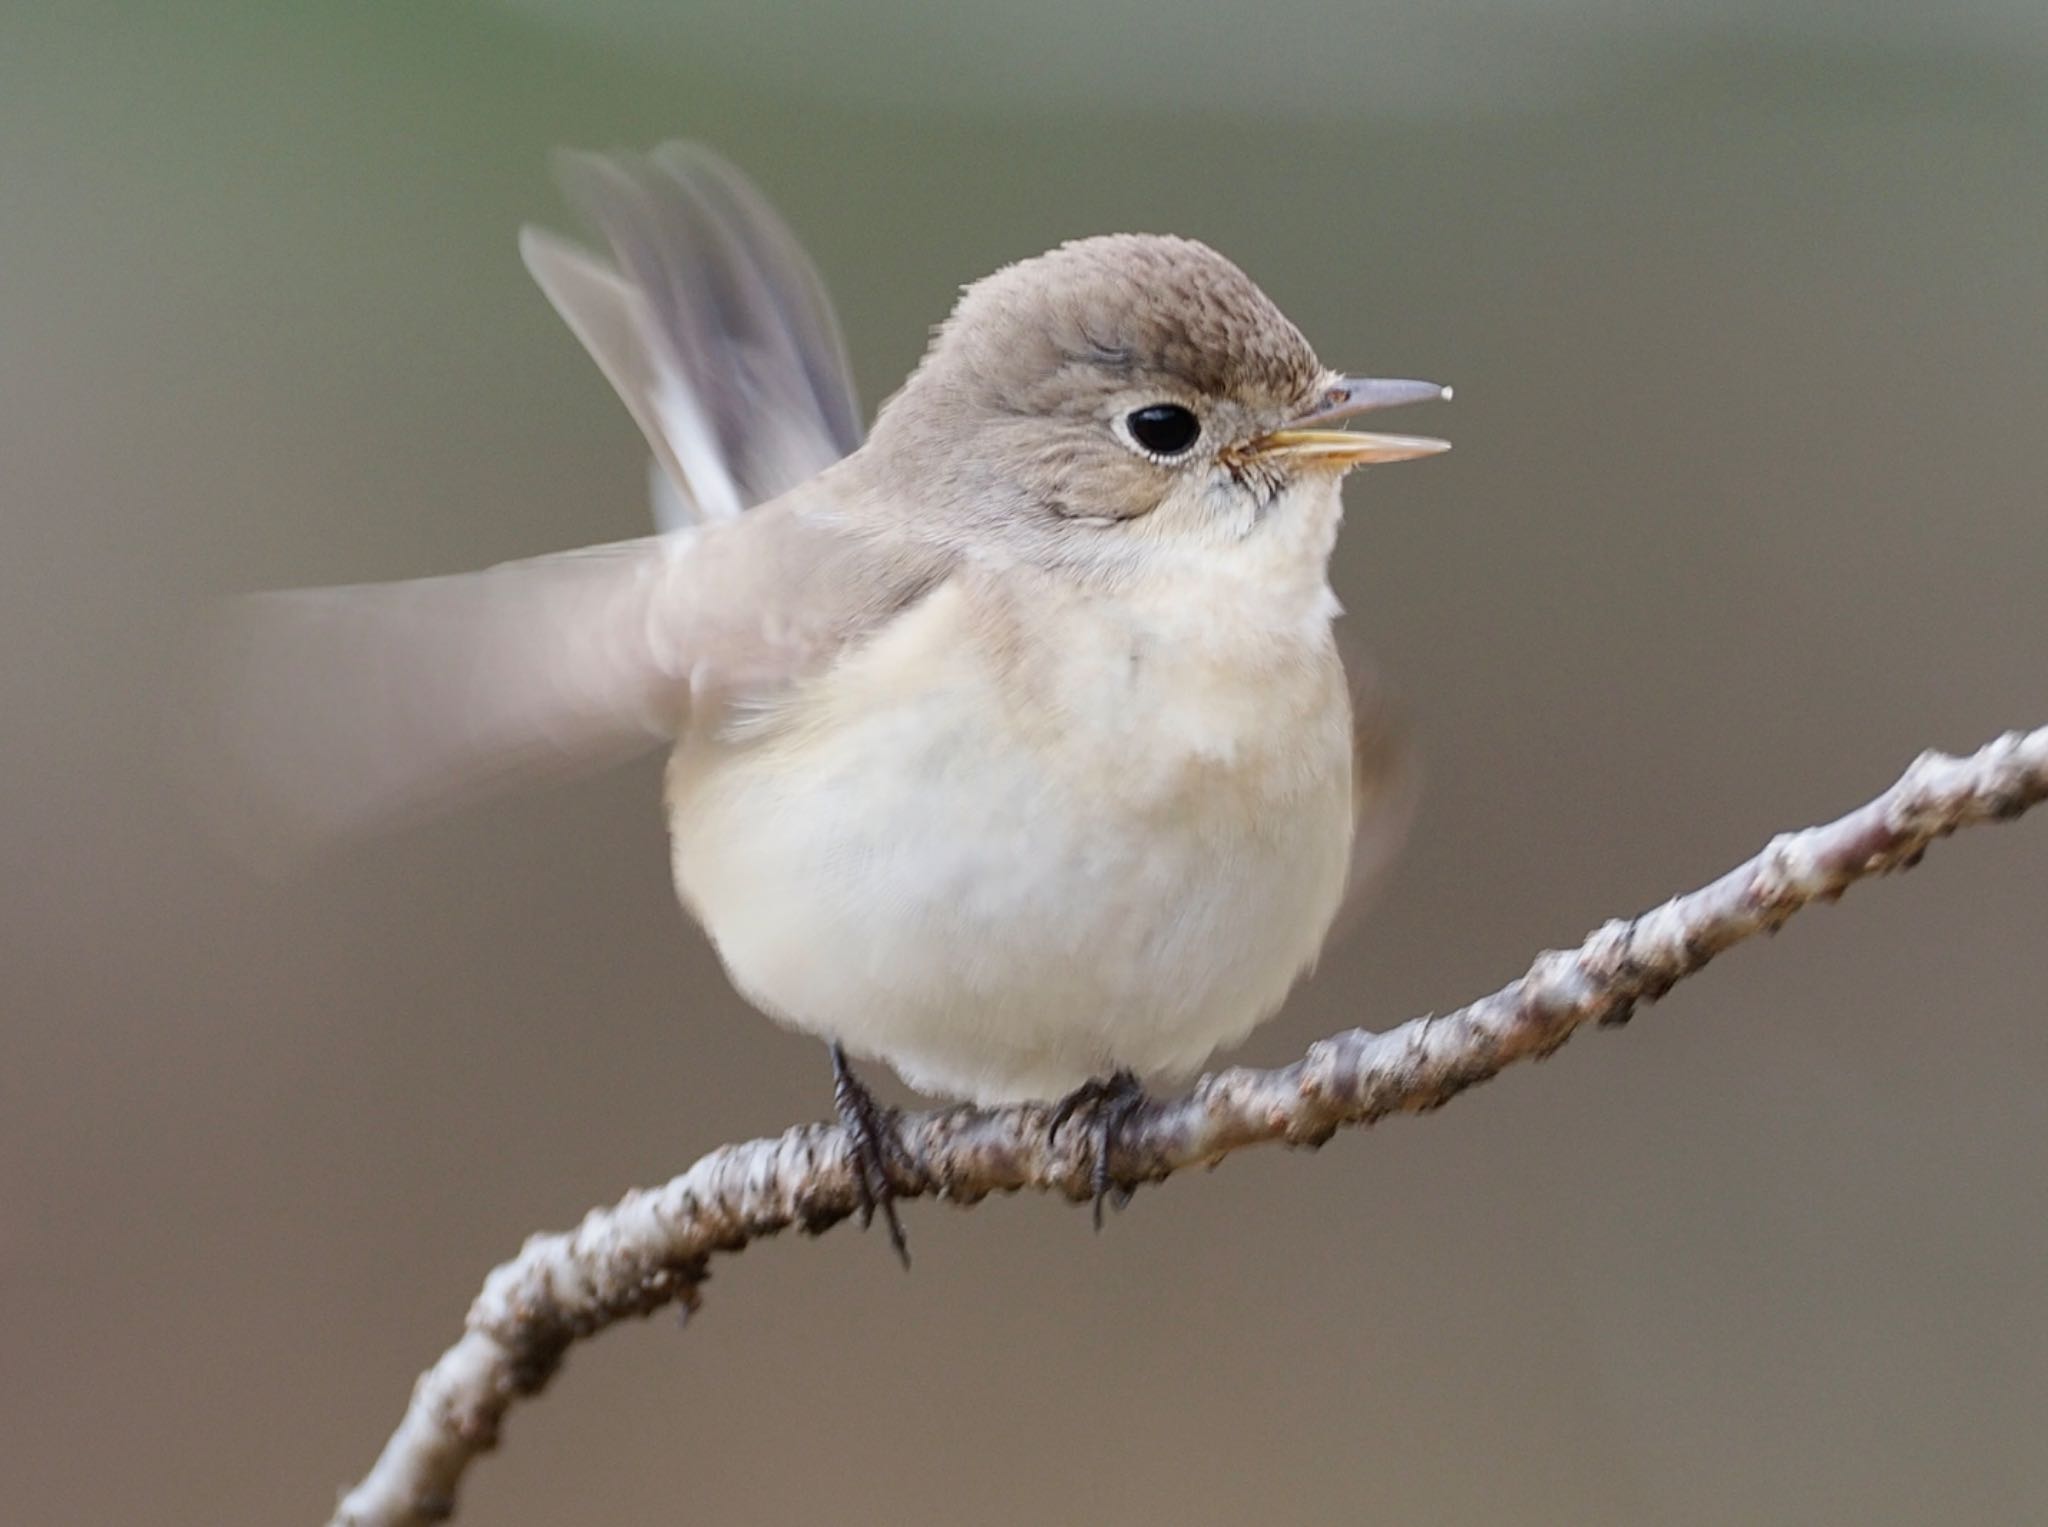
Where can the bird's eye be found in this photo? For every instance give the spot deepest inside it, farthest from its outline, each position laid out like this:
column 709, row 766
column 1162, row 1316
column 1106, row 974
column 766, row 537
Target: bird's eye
column 1164, row 429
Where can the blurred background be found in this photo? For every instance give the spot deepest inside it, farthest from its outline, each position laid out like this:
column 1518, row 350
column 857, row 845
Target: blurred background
column 1747, row 309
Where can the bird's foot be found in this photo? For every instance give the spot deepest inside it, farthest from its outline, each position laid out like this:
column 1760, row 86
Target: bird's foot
column 871, row 1133
column 1111, row 1103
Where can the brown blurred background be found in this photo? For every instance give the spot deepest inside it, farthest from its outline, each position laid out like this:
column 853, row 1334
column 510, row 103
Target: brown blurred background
column 1747, row 309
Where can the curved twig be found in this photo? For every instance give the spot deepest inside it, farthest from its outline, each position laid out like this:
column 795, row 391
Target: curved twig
column 651, row 1248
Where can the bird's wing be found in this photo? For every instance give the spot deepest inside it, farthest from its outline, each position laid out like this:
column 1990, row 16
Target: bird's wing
column 324, row 713
column 713, row 326
column 1385, row 785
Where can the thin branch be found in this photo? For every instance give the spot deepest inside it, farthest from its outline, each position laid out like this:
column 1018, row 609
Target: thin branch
column 651, row 1249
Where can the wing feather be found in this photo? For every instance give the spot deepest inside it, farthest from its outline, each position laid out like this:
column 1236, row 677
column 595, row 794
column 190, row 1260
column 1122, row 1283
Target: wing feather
column 714, row 326
column 325, row 713
column 1385, row 786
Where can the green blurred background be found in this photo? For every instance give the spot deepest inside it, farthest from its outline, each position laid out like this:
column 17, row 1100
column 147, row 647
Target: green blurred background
column 1747, row 309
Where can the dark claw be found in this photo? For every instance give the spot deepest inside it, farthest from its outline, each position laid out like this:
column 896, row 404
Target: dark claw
column 1112, row 1103
column 871, row 1133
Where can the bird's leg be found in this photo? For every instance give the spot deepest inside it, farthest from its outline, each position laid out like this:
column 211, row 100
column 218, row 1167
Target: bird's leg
column 1112, row 1102
column 870, row 1131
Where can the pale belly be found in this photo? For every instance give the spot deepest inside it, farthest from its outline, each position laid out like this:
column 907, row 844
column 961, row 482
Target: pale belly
column 1003, row 913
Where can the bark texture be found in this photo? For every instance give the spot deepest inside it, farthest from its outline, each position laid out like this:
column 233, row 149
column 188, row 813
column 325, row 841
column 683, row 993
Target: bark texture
column 652, row 1247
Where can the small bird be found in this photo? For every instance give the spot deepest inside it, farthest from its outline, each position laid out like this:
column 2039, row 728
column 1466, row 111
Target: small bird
column 1011, row 746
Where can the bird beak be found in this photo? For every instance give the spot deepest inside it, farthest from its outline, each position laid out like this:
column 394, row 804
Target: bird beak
column 1305, row 441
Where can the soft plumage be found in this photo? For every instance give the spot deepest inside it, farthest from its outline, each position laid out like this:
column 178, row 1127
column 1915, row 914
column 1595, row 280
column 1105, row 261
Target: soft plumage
column 1011, row 745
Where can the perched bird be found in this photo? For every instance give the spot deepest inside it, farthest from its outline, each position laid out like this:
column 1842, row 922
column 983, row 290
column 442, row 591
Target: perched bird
column 1010, row 745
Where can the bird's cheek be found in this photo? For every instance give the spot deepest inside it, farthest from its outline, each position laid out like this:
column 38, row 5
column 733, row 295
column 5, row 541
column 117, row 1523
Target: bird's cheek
column 1207, row 507
column 1126, row 489
column 1242, row 491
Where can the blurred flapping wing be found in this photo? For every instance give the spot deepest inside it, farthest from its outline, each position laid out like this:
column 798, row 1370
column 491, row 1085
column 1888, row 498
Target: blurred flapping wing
column 326, row 712
column 713, row 326
column 1385, row 786
column 330, row 712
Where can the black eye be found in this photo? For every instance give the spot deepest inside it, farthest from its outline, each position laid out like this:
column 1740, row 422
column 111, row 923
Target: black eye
column 1164, row 429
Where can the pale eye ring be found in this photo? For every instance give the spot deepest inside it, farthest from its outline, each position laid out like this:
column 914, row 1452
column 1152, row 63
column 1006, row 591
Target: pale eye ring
column 1164, row 430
